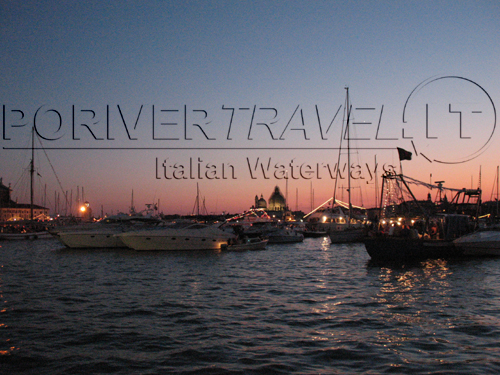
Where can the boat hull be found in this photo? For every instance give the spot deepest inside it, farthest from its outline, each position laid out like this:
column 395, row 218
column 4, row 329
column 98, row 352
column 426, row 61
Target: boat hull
column 315, row 234
column 170, row 239
column 409, row 249
column 83, row 240
column 347, row 236
column 173, row 243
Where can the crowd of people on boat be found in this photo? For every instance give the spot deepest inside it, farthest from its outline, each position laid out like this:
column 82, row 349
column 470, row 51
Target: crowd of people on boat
column 412, row 229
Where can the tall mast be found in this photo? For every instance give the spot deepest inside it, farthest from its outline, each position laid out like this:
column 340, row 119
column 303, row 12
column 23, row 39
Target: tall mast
column 296, row 199
column 286, row 192
column 340, row 152
column 348, row 152
column 376, row 183
column 32, row 171
column 196, row 207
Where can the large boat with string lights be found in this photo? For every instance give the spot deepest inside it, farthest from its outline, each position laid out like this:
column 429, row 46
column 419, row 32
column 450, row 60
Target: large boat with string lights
column 413, row 230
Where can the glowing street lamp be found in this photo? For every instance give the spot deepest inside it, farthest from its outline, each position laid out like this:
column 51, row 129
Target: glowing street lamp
column 84, row 207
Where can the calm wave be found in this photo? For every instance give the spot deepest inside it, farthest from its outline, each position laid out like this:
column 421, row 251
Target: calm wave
column 306, row 308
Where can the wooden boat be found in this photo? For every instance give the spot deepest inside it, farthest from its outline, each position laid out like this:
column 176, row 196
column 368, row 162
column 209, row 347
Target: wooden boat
column 21, row 220
column 387, row 248
column 420, row 234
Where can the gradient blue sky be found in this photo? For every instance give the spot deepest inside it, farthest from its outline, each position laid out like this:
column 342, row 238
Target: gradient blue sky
column 285, row 55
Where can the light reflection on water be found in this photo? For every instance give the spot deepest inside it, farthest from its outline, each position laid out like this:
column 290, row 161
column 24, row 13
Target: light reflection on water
column 301, row 308
column 430, row 306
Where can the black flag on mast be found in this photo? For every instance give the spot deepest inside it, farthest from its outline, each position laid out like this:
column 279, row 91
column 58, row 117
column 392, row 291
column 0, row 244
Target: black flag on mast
column 403, row 154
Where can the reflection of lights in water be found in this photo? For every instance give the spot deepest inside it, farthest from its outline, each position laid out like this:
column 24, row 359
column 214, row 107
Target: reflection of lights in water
column 5, row 350
column 412, row 297
column 325, row 244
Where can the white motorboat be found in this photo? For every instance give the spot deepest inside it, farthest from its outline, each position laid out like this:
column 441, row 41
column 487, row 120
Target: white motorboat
column 480, row 243
column 192, row 237
column 99, row 238
column 102, row 234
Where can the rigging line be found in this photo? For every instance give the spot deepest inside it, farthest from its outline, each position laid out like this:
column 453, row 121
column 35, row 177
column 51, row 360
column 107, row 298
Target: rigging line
column 53, row 170
column 24, row 169
column 430, row 186
column 21, row 178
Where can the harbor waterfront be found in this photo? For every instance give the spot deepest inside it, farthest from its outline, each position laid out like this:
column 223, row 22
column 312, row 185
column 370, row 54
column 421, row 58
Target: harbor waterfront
column 304, row 308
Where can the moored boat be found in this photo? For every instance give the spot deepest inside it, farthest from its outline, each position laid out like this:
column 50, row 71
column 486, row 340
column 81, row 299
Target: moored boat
column 103, row 238
column 343, row 222
column 420, row 234
column 480, row 243
column 102, row 234
column 385, row 248
column 170, row 238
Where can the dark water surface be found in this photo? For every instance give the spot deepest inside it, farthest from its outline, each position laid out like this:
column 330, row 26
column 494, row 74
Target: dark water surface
column 310, row 308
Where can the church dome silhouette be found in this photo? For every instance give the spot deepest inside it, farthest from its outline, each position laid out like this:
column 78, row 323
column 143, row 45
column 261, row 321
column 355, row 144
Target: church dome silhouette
column 277, row 200
column 260, row 203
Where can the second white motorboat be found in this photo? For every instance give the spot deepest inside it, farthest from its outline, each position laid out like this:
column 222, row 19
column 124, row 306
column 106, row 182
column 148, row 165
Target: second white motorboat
column 192, row 237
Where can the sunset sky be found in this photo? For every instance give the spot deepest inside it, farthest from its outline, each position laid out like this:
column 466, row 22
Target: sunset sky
column 234, row 96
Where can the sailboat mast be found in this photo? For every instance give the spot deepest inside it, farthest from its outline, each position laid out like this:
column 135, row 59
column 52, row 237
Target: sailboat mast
column 196, row 207
column 497, row 190
column 337, row 175
column 286, row 192
column 348, row 152
column 376, row 183
column 32, row 171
